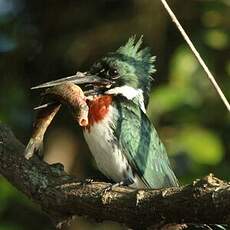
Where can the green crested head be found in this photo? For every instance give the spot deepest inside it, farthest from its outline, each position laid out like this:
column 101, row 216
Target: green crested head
column 128, row 66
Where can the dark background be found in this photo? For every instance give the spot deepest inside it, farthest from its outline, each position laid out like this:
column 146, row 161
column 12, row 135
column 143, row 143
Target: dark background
column 45, row 40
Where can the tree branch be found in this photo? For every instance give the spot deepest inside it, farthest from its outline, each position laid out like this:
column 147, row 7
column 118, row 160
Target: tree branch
column 62, row 196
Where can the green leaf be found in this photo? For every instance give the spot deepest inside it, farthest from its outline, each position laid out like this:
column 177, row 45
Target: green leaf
column 216, row 39
column 200, row 144
column 169, row 98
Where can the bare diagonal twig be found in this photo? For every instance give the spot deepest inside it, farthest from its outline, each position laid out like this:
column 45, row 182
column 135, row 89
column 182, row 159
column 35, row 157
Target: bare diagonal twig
column 197, row 55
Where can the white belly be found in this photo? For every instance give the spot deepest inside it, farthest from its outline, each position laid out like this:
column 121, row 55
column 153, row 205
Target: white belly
column 104, row 149
column 106, row 152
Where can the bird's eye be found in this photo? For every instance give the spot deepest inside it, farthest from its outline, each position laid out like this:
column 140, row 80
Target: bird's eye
column 112, row 73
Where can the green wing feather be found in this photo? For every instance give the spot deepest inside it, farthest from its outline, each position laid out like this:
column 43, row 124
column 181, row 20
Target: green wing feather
column 142, row 147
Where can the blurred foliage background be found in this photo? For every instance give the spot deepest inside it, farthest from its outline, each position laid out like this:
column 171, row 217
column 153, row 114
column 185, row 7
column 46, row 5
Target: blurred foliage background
column 44, row 40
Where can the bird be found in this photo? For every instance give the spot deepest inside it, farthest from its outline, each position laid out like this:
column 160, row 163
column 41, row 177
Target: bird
column 124, row 143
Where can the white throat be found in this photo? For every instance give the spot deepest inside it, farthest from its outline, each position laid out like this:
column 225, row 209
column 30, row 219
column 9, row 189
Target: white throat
column 130, row 93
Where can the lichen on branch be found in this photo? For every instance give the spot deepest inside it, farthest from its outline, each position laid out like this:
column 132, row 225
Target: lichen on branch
column 62, row 196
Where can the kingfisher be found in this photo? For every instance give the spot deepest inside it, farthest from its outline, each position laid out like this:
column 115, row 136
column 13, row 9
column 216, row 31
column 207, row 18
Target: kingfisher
column 120, row 136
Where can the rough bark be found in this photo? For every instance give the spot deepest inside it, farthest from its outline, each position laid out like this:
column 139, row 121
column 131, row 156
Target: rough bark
column 61, row 196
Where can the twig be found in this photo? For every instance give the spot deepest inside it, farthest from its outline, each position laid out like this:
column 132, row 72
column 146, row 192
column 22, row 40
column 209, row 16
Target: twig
column 62, row 196
column 197, row 55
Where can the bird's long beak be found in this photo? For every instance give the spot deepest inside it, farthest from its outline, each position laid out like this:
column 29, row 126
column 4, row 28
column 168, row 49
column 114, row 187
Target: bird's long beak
column 79, row 78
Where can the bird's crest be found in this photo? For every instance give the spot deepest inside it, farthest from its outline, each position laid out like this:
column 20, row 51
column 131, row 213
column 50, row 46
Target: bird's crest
column 139, row 65
column 133, row 50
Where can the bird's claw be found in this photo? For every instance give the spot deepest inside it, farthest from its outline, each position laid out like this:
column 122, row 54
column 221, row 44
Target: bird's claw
column 107, row 188
column 126, row 182
column 86, row 181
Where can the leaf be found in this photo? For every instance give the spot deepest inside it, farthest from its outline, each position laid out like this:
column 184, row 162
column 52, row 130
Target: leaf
column 202, row 145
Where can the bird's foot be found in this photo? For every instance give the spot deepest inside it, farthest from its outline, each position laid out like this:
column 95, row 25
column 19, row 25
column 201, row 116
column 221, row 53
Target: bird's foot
column 86, row 181
column 126, row 182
